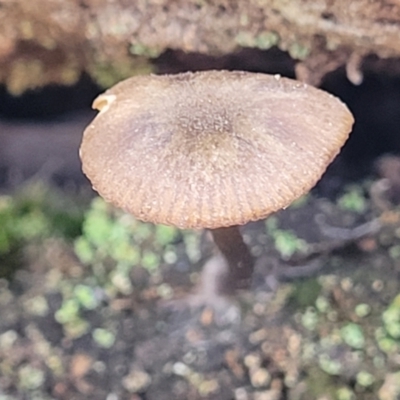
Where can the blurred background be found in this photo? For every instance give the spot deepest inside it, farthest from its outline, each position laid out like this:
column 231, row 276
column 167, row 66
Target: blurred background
column 83, row 286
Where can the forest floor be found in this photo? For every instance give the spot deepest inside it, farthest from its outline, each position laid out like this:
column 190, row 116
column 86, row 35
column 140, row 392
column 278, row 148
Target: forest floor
column 85, row 292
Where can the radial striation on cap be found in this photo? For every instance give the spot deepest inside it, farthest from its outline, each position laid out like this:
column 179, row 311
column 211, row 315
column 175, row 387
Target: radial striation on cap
column 211, row 149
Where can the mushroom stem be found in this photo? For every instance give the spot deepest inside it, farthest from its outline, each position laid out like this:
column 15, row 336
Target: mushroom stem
column 241, row 263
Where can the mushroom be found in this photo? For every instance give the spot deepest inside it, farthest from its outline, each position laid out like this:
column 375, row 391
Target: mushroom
column 213, row 150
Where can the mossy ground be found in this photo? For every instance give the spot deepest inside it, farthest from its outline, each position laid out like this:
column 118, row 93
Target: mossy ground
column 83, row 290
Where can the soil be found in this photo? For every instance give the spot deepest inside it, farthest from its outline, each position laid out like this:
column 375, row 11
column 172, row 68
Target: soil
column 256, row 345
column 321, row 320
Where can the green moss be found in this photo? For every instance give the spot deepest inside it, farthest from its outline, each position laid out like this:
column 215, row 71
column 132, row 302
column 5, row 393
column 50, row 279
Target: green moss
column 309, row 319
column 286, row 242
column 388, row 336
column 150, row 260
column 85, row 296
column 69, row 311
column 322, row 304
column 391, row 318
column 113, row 243
column 245, row 39
column 76, row 299
column 329, row 365
column 362, row 310
column 305, row 293
column 165, row 235
column 263, row 41
column 386, row 343
column 108, row 74
column 32, row 215
column 9, row 237
column 353, row 335
column 394, row 252
column 299, row 51
column 319, row 384
column 106, row 234
column 192, row 245
column 365, row 379
column 103, row 337
column 266, row 40
column 139, row 49
column 353, row 200
column 30, row 378
column 345, row 393
column 300, row 202
column 69, row 317
column 84, row 250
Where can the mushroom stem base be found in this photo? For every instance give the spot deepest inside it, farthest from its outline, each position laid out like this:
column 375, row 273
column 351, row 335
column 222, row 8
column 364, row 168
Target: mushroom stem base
column 229, row 242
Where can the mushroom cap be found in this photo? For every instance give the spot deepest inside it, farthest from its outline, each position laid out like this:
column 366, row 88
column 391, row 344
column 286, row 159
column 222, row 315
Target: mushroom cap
column 211, row 149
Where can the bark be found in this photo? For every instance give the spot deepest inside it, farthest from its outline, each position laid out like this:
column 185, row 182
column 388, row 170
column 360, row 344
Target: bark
column 54, row 41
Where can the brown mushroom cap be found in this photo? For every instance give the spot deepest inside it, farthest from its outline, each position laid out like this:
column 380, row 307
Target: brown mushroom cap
column 211, row 149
